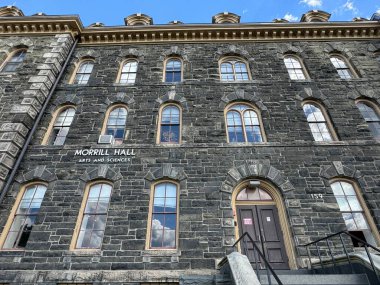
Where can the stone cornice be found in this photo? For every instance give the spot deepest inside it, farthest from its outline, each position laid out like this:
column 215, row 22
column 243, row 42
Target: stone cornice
column 257, row 32
column 37, row 25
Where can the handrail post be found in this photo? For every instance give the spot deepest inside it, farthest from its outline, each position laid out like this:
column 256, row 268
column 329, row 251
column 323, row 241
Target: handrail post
column 332, row 256
column 320, row 259
column 345, row 251
column 308, row 253
column 371, row 261
column 260, row 255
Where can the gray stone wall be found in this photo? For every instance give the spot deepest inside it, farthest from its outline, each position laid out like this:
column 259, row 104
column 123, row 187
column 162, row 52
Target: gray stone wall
column 205, row 165
column 23, row 92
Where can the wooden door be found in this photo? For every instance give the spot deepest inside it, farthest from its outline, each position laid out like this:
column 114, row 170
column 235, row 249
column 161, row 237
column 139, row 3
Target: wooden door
column 262, row 224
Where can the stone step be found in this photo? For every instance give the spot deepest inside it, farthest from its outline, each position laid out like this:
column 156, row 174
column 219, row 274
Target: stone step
column 318, row 279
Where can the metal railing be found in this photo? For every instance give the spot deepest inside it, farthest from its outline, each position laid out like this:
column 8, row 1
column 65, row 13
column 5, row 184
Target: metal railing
column 328, row 239
column 260, row 254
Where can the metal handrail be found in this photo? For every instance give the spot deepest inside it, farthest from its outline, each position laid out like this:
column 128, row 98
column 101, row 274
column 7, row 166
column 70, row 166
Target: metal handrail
column 255, row 247
column 327, row 239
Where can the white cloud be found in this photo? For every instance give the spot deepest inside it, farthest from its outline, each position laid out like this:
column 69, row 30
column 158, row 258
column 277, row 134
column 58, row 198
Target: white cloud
column 349, row 6
column 378, row 11
column 245, row 11
column 312, row 3
column 157, row 234
column 290, row 17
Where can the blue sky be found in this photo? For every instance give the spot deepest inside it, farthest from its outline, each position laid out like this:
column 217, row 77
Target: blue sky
column 112, row 12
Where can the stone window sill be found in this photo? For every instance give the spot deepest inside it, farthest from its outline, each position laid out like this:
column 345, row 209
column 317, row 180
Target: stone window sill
column 161, row 252
column 81, row 252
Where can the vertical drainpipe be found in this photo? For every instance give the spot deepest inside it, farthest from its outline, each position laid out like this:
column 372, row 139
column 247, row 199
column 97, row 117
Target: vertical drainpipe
column 36, row 123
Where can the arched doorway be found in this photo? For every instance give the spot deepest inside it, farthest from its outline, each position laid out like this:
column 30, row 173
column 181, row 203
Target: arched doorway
column 259, row 210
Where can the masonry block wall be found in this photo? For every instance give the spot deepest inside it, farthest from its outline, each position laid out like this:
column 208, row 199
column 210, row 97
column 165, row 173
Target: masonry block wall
column 22, row 93
column 210, row 167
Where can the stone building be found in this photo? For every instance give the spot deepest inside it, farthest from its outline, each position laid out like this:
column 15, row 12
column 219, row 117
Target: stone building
column 139, row 154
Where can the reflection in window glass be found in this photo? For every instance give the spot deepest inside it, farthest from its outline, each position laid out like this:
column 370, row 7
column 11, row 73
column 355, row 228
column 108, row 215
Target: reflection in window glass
column 25, row 217
column 371, row 117
column 317, row 123
column 294, row 68
column 173, row 70
column 117, row 120
column 341, row 67
column 61, row 127
column 233, row 70
column 15, row 61
column 349, row 205
column 164, row 216
column 84, row 72
column 243, row 124
column 128, row 72
column 94, row 217
column 170, row 125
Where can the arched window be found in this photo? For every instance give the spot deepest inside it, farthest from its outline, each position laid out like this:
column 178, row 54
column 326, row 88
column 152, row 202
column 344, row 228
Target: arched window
column 23, row 216
column 371, row 116
column 170, row 125
column 14, row 61
column 128, row 72
column 83, row 72
column 243, row 124
column 295, row 69
column 162, row 231
column 341, row 67
column 92, row 217
column 60, row 128
column 353, row 211
column 318, row 123
column 173, row 70
column 116, row 121
column 233, row 69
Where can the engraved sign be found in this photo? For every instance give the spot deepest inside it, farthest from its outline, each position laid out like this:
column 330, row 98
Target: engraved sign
column 247, row 221
column 104, row 155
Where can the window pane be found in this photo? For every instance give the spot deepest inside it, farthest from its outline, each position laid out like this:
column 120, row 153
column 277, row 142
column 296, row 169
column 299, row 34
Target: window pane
column 343, row 204
column 360, row 221
column 159, row 205
column 349, row 220
column 354, row 203
column 348, row 188
column 337, row 189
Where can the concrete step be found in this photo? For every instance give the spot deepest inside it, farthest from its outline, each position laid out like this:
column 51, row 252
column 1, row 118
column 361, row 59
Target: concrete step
column 318, row 279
